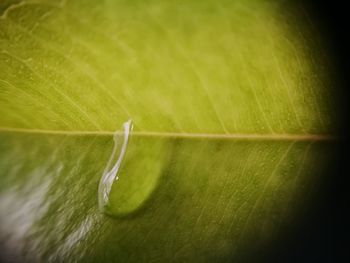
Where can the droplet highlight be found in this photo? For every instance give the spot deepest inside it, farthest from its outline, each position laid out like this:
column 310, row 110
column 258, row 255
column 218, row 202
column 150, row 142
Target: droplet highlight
column 111, row 174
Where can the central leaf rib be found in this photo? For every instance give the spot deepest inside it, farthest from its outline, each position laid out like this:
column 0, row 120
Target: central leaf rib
column 291, row 137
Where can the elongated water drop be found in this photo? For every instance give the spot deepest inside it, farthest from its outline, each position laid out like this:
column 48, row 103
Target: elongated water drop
column 111, row 174
column 132, row 172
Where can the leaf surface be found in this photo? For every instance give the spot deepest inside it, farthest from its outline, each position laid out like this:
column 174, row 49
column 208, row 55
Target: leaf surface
column 233, row 122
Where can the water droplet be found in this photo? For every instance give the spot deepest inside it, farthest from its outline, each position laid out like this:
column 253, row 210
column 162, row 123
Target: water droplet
column 133, row 172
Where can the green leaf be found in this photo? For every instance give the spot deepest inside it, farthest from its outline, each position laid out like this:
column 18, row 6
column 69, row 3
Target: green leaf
column 233, row 122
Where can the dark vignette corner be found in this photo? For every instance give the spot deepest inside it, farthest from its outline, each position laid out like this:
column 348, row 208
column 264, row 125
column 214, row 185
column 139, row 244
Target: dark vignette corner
column 322, row 233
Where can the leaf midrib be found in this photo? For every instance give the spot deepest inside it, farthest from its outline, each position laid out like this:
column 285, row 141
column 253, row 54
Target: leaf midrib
column 250, row 136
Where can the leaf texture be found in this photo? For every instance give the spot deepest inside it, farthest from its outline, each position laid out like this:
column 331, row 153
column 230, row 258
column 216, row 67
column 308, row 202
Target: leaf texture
column 233, row 122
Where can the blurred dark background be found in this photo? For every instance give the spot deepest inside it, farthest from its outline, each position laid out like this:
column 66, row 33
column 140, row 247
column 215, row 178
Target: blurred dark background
column 322, row 233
